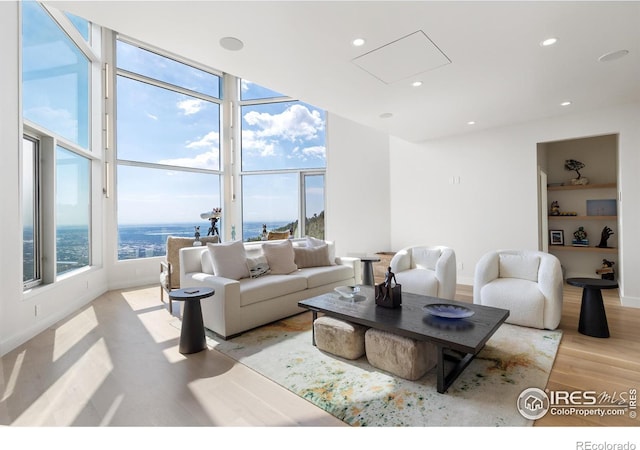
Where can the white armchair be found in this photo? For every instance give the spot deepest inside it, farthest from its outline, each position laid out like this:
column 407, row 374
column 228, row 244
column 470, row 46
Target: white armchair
column 426, row 270
column 526, row 282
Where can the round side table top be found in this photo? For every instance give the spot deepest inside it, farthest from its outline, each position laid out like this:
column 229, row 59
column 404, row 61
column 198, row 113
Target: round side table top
column 596, row 283
column 195, row 293
column 369, row 258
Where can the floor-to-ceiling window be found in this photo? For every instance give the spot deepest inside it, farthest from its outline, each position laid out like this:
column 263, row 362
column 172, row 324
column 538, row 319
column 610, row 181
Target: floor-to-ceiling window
column 283, row 160
column 168, row 148
column 57, row 149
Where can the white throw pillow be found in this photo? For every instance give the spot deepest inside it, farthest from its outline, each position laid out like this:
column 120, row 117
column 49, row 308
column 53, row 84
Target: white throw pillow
column 258, row 266
column 280, row 257
column 315, row 242
column 519, row 266
column 425, row 258
column 312, row 256
column 229, row 260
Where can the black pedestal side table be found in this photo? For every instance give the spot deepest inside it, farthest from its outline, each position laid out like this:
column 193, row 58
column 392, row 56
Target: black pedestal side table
column 367, row 269
column 192, row 339
column 593, row 318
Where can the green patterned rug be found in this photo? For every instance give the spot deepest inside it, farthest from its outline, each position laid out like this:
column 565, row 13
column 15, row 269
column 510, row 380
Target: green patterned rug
column 485, row 394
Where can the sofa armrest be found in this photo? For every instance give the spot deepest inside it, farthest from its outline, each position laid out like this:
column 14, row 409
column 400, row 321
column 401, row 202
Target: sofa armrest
column 401, row 261
column 487, row 270
column 550, row 284
column 446, row 273
column 354, row 263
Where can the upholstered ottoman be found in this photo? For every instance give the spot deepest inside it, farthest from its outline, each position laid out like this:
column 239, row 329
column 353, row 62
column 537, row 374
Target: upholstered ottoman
column 401, row 356
column 339, row 337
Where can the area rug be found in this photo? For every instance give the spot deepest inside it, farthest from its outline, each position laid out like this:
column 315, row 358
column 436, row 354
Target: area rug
column 485, row 394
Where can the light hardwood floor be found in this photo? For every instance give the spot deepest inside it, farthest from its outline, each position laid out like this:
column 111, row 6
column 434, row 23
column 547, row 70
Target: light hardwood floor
column 116, row 363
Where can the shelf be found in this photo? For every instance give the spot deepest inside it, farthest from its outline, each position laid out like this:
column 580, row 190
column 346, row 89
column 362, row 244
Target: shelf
column 583, row 218
column 570, row 187
column 570, row 248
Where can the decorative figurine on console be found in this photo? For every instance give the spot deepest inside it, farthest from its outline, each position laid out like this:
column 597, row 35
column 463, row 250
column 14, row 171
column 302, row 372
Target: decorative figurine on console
column 606, row 271
column 197, row 242
column 389, row 293
column 606, row 234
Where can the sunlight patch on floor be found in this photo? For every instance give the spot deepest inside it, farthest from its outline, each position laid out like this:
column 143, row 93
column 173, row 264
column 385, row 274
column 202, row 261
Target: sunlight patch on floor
column 70, row 332
column 67, row 397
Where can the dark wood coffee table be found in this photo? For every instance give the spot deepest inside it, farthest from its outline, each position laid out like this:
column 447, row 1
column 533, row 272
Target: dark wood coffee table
column 457, row 341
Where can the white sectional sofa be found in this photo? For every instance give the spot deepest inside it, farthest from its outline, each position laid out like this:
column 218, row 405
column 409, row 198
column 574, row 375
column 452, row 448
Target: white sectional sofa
column 243, row 301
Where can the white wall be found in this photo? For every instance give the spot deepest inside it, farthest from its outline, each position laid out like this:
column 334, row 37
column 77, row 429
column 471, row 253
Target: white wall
column 357, row 187
column 18, row 321
column 495, row 203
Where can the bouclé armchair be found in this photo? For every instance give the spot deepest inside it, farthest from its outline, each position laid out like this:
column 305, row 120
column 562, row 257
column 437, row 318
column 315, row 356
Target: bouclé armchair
column 426, row 270
column 526, row 282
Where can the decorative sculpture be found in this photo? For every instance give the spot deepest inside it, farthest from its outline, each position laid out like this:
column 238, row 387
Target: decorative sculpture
column 580, row 238
column 388, row 293
column 573, row 164
column 555, row 208
column 606, row 234
column 264, row 232
column 606, row 271
column 197, row 242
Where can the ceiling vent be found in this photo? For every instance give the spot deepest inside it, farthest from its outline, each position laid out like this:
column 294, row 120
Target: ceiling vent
column 407, row 57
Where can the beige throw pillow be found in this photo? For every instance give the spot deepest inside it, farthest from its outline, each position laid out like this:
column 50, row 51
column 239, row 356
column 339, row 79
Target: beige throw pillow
column 258, row 266
column 280, row 257
column 312, row 256
column 315, row 242
column 229, row 260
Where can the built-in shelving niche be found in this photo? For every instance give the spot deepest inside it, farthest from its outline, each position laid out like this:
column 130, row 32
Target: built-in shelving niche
column 600, row 157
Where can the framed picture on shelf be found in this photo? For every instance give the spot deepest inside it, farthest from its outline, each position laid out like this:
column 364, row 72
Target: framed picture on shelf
column 556, row 237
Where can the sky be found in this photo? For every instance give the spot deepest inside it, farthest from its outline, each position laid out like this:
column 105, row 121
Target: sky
column 161, row 126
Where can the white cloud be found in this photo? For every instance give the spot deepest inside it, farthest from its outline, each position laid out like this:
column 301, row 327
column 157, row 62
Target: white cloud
column 207, row 160
column 60, row 120
column 317, row 151
column 211, row 139
column 151, row 116
column 295, row 123
column 250, row 142
column 190, row 106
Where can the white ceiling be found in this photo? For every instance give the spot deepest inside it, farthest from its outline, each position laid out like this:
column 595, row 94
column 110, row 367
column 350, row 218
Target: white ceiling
column 498, row 74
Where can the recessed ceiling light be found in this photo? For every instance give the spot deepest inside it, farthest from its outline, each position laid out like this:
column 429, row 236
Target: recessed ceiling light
column 359, row 42
column 416, row 84
column 567, row 103
column 613, row 55
column 231, row 43
column 471, row 122
column 386, row 115
column 548, row 42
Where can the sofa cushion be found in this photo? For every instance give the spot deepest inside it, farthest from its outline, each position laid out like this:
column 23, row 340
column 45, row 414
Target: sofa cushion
column 524, row 267
column 254, row 290
column 522, row 298
column 258, row 266
column 320, row 276
column 281, row 257
column 312, row 256
column 229, row 260
column 418, row 281
column 425, row 258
